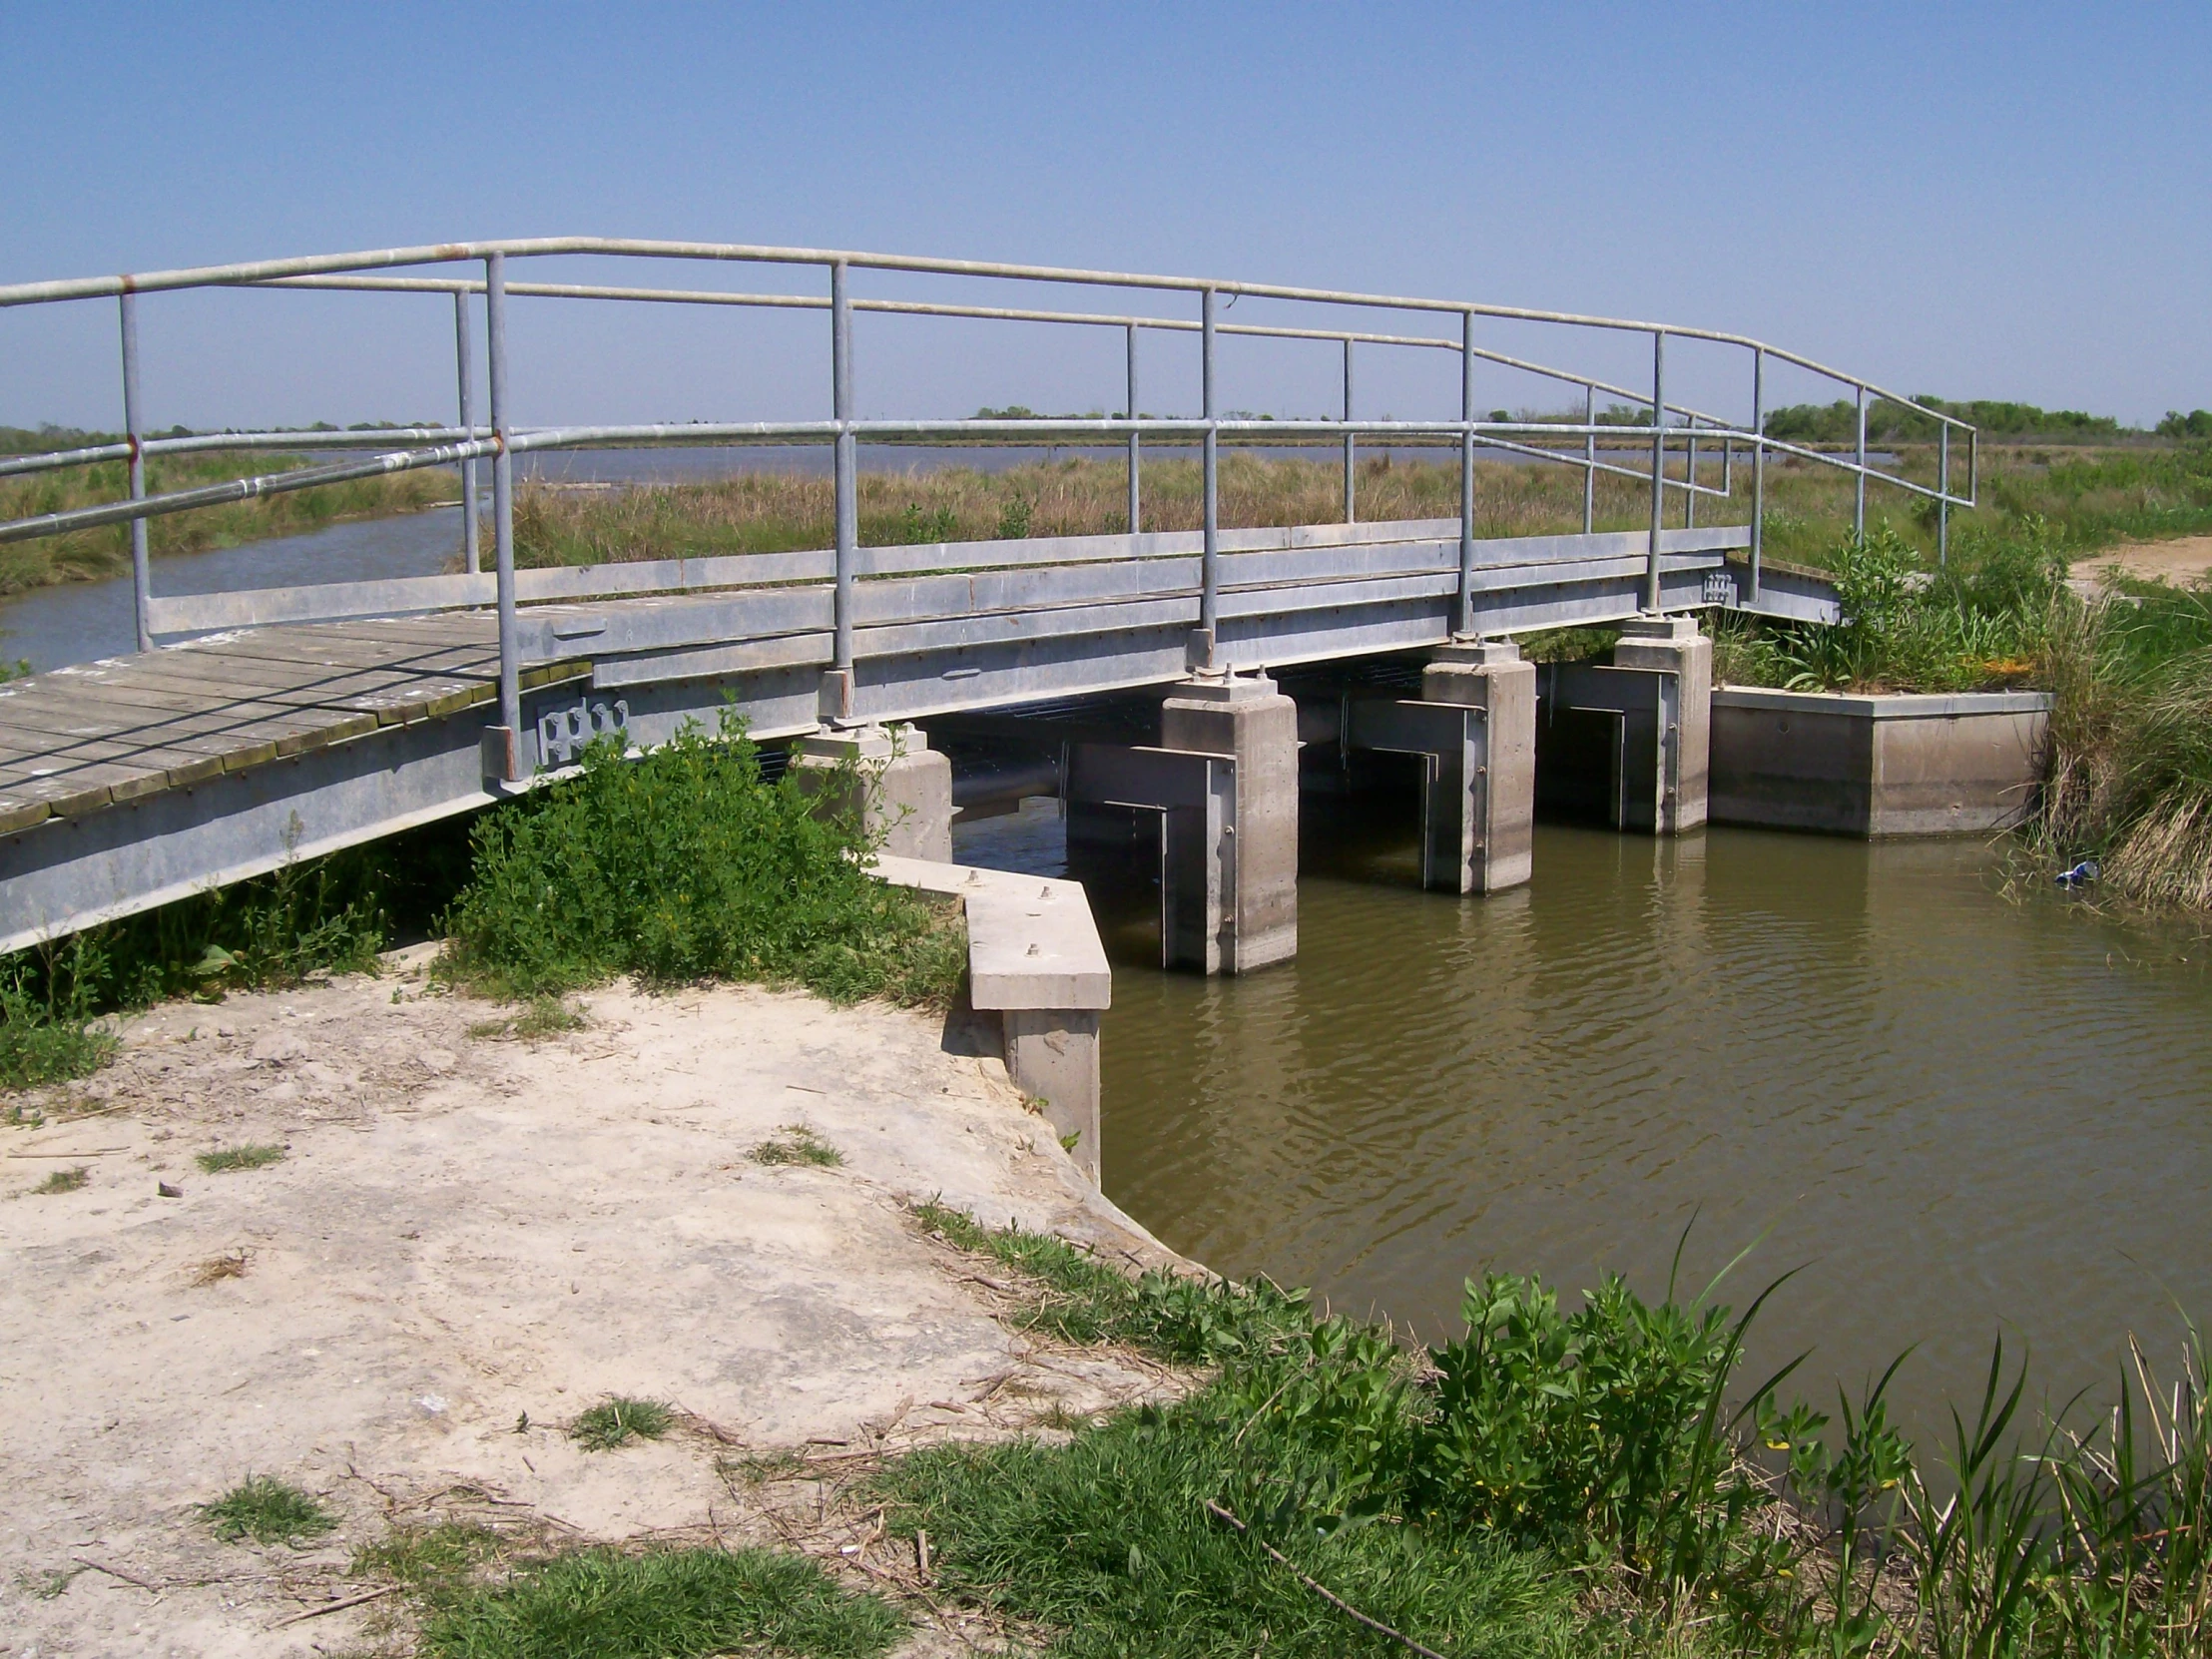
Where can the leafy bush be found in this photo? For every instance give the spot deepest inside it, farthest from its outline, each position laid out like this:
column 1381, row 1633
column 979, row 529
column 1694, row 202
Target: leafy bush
column 685, row 865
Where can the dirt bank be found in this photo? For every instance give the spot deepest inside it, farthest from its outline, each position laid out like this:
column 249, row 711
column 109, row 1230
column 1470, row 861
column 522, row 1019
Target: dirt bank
column 2183, row 560
column 467, row 1241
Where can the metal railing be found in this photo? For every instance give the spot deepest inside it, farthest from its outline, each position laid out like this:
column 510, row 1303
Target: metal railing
column 499, row 440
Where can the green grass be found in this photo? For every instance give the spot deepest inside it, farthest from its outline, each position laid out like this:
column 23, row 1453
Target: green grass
column 545, row 1016
column 796, row 1143
column 429, row 1559
column 664, row 1604
column 618, row 1421
column 268, row 1511
column 65, row 1181
column 682, row 866
column 239, row 1157
column 1588, row 1480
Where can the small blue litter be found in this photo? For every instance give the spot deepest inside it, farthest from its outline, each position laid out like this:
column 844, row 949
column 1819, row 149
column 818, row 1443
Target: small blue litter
column 2080, row 875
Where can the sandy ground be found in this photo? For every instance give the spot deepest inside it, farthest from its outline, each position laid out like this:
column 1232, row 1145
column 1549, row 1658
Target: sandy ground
column 2181, row 561
column 467, row 1235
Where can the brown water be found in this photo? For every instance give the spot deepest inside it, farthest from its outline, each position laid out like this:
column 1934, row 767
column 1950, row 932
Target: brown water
column 1960, row 1115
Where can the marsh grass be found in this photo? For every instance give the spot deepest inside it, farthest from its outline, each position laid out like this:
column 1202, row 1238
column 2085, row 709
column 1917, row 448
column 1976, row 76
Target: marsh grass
column 2086, row 499
column 65, row 1181
column 796, row 1143
column 661, row 1604
column 91, row 555
column 268, row 1511
column 257, row 1156
column 619, row 1420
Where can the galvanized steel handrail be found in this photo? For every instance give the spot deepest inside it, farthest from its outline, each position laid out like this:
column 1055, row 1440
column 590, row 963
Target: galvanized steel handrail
column 501, row 441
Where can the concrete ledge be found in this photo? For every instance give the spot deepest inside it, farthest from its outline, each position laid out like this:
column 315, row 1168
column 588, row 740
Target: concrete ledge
column 1886, row 705
column 1857, row 765
column 1035, row 959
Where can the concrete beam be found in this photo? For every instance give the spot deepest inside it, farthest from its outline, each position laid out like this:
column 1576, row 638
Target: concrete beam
column 1035, row 960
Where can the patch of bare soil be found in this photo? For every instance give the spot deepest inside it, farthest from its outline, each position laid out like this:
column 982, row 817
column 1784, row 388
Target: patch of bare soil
column 468, row 1240
column 2183, row 560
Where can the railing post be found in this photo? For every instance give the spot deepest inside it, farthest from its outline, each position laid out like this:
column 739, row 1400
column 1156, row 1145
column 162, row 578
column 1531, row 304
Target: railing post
column 1209, row 573
column 1463, row 620
column 1136, row 444
column 1351, row 443
column 1758, row 463
column 1689, row 496
column 1589, row 459
column 848, row 487
column 464, row 354
column 1859, row 505
column 1658, row 466
column 503, row 513
column 1943, row 497
column 142, row 571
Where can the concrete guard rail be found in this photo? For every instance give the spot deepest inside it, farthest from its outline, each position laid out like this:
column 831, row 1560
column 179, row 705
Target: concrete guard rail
column 1036, row 961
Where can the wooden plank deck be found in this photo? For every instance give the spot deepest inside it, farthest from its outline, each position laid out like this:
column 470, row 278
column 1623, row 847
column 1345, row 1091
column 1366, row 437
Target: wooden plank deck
column 80, row 739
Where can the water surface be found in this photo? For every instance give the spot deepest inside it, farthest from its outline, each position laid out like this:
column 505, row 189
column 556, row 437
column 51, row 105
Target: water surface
column 1961, row 1116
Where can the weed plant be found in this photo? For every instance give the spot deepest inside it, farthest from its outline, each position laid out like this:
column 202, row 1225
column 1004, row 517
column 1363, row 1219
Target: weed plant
column 662, row 1604
column 65, row 1181
column 268, row 1511
column 1592, row 1481
column 618, row 1421
column 685, row 865
column 796, row 1143
column 239, row 1157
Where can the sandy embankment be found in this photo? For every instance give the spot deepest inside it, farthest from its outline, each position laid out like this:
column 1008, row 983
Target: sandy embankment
column 2181, row 561
column 468, row 1234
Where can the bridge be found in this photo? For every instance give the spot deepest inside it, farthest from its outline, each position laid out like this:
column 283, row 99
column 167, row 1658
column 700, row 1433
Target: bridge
column 251, row 728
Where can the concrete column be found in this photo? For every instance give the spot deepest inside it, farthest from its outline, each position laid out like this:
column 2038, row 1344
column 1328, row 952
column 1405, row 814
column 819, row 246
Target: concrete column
column 900, row 786
column 1484, row 828
column 1232, row 880
column 1673, row 646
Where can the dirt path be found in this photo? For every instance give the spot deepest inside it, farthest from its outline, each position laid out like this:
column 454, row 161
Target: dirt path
column 2181, row 561
column 466, row 1242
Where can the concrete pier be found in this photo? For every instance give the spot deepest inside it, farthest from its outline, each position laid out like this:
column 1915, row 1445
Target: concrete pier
column 1673, row 646
column 1630, row 743
column 1231, row 886
column 1488, row 821
column 900, row 786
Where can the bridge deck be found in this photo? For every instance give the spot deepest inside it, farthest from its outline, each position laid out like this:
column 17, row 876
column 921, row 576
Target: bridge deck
column 80, row 739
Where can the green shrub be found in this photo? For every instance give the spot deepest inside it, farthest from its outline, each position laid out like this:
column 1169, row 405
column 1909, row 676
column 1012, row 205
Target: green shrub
column 684, row 865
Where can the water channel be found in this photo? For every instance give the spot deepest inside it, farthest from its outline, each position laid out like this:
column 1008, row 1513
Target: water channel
column 1960, row 1115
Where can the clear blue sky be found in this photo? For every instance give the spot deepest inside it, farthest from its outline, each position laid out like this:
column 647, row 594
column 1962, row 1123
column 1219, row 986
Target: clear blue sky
column 1992, row 200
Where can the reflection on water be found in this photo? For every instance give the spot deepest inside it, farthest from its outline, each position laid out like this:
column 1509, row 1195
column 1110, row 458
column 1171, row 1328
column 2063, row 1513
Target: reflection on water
column 1960, row 1115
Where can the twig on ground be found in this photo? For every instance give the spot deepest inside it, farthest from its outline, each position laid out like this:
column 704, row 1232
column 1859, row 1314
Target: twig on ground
column 336, row 1606
column 1335, row 1601
column 118, row 1572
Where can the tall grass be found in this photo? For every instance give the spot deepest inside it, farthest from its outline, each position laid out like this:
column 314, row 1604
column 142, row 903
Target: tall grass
column 2083, row 501
column 2130, row 775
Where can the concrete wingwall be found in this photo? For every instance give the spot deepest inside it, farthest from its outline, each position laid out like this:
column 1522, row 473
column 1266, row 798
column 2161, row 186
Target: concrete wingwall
column 1903, row 764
